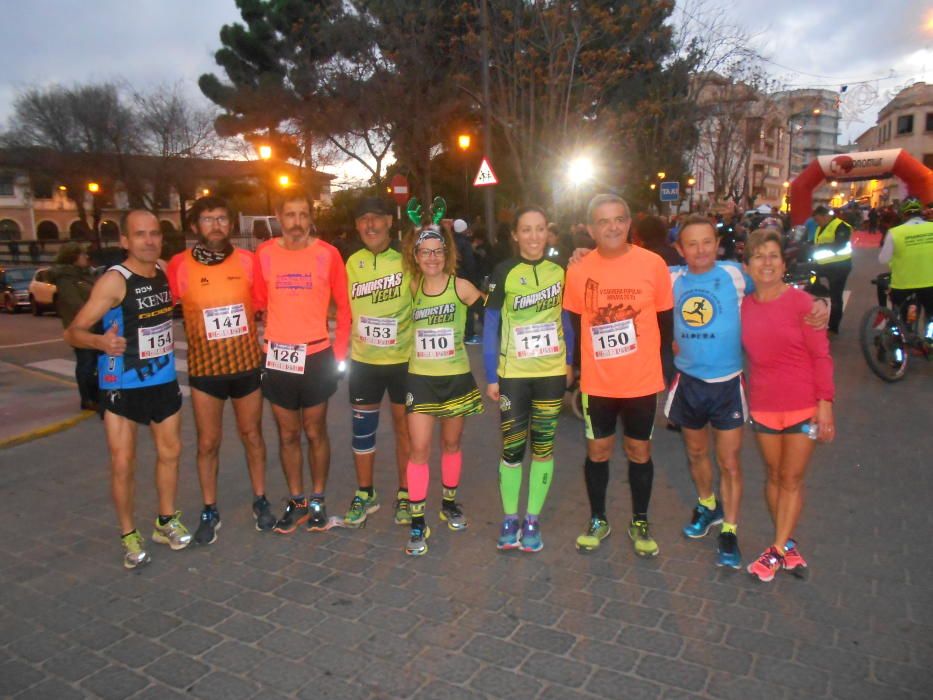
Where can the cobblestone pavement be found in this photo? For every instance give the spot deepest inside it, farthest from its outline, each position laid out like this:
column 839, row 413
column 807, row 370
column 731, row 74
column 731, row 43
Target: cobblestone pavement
column 345, row 614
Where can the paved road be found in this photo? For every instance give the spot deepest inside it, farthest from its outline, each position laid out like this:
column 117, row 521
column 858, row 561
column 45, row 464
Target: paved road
column 345, row 614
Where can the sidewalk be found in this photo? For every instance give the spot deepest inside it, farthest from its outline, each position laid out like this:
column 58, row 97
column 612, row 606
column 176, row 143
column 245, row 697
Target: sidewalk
column 35, row 404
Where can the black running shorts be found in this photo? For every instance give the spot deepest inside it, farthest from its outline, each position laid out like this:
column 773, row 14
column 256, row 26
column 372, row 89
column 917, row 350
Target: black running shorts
column 149, row 404
column 368, row 383
column 231, row 387
column 295, row 391
column 601, row 414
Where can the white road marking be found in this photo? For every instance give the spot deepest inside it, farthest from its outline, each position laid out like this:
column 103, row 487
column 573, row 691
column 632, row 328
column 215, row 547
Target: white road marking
column 34, row 342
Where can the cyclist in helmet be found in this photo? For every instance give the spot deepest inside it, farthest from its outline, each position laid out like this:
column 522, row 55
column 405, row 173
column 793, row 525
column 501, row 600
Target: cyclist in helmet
column 908, row 251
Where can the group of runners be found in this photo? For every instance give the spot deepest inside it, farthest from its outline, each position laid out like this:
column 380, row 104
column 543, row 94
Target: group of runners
column 400, row 318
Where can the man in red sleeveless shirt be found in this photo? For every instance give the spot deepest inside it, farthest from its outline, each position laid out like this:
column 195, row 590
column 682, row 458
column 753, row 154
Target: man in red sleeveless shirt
column 216, row 285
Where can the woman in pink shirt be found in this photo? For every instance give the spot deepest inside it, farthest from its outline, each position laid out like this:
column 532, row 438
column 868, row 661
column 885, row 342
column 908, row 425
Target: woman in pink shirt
column 790, row 392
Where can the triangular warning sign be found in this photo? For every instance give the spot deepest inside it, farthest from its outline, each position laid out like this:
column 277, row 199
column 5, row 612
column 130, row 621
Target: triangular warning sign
column 485, row 176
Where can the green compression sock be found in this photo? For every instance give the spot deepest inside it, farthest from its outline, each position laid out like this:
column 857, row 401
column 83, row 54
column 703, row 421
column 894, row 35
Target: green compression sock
column 538, row 484
column 510, row 483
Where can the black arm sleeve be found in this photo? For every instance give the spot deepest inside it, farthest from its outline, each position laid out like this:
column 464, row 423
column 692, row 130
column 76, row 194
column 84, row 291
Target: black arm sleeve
column 575, row 323
column 666, row 326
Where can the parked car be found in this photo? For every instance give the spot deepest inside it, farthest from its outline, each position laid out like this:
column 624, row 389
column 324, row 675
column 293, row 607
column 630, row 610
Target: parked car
column 42, row 292
column 14, row 285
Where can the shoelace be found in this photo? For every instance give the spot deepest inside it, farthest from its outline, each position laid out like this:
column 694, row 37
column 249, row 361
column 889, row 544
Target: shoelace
column 770, row 558
column 595, row 524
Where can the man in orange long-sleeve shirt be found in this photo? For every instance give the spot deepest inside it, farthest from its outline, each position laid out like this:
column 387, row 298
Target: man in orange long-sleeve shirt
column 301, row 274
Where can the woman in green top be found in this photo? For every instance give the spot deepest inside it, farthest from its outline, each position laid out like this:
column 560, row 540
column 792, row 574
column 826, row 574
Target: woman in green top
column 525, row 341
column 440, row 384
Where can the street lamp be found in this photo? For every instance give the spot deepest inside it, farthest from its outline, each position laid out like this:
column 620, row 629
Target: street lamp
column 581, row 170
column 205, row 192
column 691, row 181
column 265, row 152
column 284, row 181
column 661, row 174
column 463, row 143
column 94, row 189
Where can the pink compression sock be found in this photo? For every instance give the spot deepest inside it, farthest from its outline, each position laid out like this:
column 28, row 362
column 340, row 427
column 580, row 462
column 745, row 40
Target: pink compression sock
column 418, row 476
column 451, row 462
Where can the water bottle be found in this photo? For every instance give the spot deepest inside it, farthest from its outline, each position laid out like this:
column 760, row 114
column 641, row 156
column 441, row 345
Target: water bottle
column 813, row 431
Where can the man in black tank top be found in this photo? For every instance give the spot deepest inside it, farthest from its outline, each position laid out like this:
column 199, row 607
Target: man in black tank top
column 137, row 377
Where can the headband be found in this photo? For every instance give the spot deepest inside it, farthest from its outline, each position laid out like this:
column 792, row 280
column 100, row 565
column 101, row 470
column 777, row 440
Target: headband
column 429, row 234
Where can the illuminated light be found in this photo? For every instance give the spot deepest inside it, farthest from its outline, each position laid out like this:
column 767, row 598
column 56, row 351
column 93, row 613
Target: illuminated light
column 817, row 111
column 580, row 170
column 834, row 184
column 62, row 188
column 205, row 192
column 93, row 187
column 463, row 141
column 691, row 181
column 653, row 186
column 785, row 184
column 661, row 174
column 265, row 152
column 284, row 180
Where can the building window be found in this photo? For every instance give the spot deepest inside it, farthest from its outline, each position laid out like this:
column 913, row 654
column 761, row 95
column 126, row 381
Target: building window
column 6, row 186
column 929, row 121
column 905, row 124
column 41, row 187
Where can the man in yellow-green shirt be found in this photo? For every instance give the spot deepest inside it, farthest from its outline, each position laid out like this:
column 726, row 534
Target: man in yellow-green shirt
column 381, row 337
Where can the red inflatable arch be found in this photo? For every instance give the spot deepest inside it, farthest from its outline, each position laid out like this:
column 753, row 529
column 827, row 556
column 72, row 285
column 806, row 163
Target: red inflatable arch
column 849, row 167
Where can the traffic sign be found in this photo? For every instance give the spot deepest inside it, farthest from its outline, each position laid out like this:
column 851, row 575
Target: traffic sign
column 399, row 185
column 485, row 176
column 670, row 191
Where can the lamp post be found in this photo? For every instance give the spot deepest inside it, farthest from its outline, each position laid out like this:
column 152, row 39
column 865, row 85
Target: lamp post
column 94, row 189
column 463, row 143
column 265, row 153
column 691, row 181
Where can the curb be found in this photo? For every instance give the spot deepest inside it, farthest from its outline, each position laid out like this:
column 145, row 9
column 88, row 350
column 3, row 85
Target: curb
column 46, row 430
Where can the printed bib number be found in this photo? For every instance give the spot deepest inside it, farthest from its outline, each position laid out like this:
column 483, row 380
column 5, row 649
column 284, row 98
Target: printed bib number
column 377, row 331
column 434, row 343
column 286, row 358
column 155, row 341
column 536, row 340
column 614, row 339
column 225, row 321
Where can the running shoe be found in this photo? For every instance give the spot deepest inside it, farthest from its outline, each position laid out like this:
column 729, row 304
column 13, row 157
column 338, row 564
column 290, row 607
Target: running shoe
column 644, row 544
column 793, row 562
column 262, row 513
column 402, row 511
column 418, row 541
column 728, row 553
column 134, row 553
column 208, row 527
column 596, row 531
column 296, row 513
column 452, row 513
column 362, row 505
column 767, row 565
column 703, row 519
column 531, row 536
column 173, row 533
column 509, row 534
column 317, row 521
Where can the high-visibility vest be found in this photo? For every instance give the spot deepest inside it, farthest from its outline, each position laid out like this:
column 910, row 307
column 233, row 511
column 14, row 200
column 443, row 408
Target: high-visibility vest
column 827, row 236
column 912, row 263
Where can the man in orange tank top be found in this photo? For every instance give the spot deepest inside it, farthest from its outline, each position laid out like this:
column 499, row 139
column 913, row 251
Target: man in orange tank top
column 215, row 284
column 300, row 276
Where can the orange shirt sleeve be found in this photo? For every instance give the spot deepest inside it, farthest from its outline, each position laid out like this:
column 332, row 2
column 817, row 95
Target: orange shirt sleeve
column 174, row 274
column 260, row 290
column 341, row 297
column 572, row 301
column 664, row 291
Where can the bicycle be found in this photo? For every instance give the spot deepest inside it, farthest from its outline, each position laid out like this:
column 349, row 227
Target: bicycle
column 890, row 334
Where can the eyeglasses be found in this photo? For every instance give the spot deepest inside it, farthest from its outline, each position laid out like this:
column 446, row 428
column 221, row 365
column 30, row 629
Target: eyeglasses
column 211, row 220
column 432, row 252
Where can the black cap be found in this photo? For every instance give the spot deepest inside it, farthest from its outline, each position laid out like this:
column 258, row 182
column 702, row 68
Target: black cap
column 370, row 205
column 821, row 211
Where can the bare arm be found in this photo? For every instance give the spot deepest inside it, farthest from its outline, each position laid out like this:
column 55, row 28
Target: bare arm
column 107, row 293
column 468, row 293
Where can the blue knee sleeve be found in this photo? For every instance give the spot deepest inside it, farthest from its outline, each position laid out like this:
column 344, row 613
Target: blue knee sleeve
column 365, row 424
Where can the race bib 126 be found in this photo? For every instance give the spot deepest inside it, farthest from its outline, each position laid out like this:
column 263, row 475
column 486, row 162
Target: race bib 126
column 286, row 358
